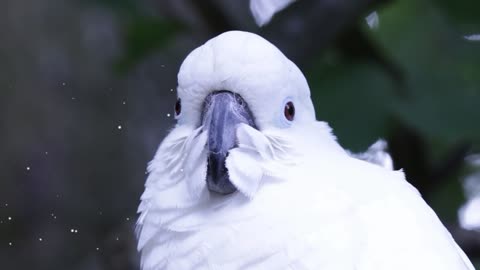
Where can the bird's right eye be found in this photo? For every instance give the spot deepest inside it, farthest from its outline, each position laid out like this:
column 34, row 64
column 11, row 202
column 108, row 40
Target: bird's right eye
column 289, row 111
column 178, row 107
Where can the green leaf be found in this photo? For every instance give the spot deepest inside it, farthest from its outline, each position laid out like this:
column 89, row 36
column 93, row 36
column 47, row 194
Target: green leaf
column 355, row 100
column 465, row 13
column 442, row 72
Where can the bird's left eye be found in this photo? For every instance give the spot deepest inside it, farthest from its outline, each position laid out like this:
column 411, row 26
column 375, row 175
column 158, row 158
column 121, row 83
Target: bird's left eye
column 289, row 111
column 178, row 107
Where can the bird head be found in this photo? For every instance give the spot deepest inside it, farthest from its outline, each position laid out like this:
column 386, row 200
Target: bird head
column 239, row 98
column 245, row 123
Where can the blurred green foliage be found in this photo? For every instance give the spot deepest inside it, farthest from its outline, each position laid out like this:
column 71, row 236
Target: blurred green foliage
column 464, row 13
column 441, row 94
column 442, row 71
column 439, row 98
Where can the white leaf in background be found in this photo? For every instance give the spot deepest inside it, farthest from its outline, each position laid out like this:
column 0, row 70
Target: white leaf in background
column 474, row 37
column 372, row 20
column 469, row 213
column 263, row 10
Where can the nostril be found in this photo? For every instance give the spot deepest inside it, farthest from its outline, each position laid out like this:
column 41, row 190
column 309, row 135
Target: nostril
column 239, row 99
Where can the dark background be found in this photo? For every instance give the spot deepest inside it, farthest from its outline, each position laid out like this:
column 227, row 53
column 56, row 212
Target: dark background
column 87, row 90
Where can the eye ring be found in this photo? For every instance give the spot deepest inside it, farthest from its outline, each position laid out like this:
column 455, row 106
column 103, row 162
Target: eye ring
column 178, row 107
column 289, row 111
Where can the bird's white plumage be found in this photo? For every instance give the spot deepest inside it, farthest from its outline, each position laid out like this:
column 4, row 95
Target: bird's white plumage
column 303, row 202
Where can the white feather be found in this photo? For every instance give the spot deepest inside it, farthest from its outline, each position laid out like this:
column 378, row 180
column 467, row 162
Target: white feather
column 246, row 180
column 377, row 154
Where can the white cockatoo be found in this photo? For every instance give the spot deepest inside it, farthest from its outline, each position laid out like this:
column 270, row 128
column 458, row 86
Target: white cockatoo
column 249, row 179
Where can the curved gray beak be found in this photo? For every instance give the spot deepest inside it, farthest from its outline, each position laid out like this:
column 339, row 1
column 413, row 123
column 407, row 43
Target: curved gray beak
column 223, row 111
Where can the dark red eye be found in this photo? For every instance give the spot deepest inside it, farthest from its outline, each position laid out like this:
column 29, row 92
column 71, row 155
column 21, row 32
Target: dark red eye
column 178, row 107
column 289, row 111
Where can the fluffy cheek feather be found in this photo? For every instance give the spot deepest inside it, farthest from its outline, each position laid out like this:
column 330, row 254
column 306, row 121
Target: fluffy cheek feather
column 196, row 166
column 257, row 155
column 244, row 171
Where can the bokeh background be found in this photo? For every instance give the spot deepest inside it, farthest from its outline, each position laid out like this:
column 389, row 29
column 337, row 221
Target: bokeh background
column 87, row 90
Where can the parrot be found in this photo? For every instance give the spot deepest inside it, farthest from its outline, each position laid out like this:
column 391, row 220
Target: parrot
column 248, row 178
